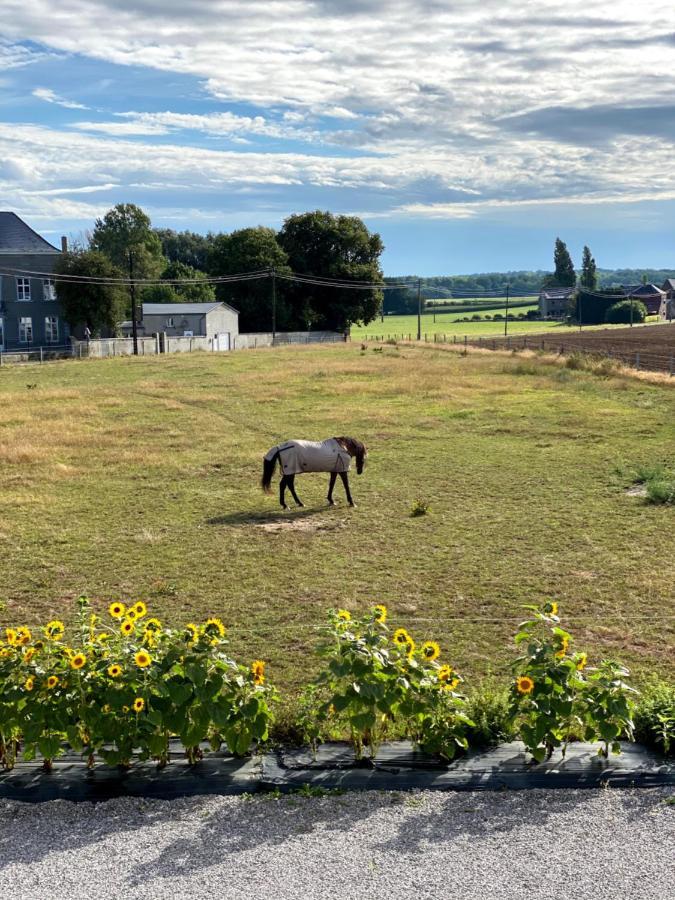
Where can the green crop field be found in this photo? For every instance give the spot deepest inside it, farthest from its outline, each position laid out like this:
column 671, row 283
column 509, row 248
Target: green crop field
column 139, row 479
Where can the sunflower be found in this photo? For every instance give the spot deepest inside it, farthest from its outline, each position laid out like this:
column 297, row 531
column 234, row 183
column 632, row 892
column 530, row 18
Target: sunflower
column 28, row 654
column 551, row 608
column 30, row 683
column 258, row 670
column 581, row 661
column 150, row 638
column 430, row 651
column 380, row 612
column 77, row 661
column 54, row 630
column 10, row 634
column 131, row 613
column 127, row 627
column 445, row 672
column 139, row 704
column 452, row 685
column 524, row 684
column 114, row 671
column 140, row 609
column 117, row 609
column 410, row 648
column 23, row 636
column 153, row 625
column 52, row 681
column 344, row 615
column 564, row 644
column 401, row 636
column 102, row 637
column 191, row 634
column 213, row 626
column 142, row 659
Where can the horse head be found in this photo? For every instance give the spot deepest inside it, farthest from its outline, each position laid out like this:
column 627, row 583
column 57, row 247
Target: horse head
column 357, row 449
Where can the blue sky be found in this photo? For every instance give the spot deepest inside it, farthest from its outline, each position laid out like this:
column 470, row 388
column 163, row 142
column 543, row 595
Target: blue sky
column 469, row 135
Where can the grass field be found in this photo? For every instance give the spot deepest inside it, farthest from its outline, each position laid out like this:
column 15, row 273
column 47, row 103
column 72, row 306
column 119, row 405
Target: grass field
column 446, row 323
column 139, row 479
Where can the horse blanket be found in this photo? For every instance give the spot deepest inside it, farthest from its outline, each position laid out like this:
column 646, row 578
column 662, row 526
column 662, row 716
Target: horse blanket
column 296, row 457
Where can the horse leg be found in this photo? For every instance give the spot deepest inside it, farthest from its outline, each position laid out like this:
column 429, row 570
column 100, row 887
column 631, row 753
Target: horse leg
column 345, row 481
column 331, row 485
column 291, row 486
column 282, row 491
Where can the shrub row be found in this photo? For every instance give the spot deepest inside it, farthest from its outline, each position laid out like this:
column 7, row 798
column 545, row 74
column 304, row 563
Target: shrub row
column 123, row 686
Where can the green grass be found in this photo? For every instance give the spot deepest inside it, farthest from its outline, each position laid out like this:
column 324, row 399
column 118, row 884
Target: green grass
column 400, row 327
column 140, row 479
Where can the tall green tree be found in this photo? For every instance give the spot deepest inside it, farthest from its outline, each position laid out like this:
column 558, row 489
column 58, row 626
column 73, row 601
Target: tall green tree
column 126, row 237
column 589, row 275
column 186, row 247
column 564, row 274
column 340, row 247
column 101, row 307
column 250, row 250
column 192, row 286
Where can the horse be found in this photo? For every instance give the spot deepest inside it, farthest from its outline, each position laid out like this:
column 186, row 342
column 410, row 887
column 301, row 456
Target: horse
column 333, row 455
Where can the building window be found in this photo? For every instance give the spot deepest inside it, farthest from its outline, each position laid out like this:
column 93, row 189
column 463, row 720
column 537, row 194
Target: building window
column 51, row 329
column 25, row 330
column 169, row 322
column 23, row 288
column 49, row 289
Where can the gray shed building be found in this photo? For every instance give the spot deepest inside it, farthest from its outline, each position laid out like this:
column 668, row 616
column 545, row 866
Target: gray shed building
column 213, row 320
column 30, row 315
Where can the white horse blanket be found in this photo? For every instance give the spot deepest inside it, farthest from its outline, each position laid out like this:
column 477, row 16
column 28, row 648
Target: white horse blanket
column 296, row 457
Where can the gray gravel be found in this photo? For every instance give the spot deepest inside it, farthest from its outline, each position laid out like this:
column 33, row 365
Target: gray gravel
column 560, row 844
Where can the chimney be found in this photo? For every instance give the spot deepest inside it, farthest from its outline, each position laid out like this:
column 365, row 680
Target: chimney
column 64, row 244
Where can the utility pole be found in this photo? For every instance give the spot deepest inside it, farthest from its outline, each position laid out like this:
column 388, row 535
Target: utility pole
column 274, row 305
column 631, row 310
column 506, row 317
column 419, row 309
column 132, row 290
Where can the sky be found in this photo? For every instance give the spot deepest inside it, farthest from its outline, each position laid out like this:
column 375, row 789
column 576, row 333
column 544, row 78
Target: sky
column 469, row 135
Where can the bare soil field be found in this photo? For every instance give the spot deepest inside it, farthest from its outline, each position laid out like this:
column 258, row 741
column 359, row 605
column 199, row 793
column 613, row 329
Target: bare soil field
column 644, row 346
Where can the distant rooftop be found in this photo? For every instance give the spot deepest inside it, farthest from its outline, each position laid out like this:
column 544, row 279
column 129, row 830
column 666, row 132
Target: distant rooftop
column 17, row 237
column 642, row 290
column 182, row 309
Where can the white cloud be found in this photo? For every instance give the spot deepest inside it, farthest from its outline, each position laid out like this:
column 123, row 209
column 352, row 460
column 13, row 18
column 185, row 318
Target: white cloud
column 424, row 107
column 50, row 96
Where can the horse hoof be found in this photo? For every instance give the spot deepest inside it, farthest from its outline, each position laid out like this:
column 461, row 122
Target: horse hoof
column 353, row 505
column 331, row 502
column 301, row 504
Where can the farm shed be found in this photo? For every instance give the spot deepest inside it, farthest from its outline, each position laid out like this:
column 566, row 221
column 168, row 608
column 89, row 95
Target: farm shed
column 649, row 294
column 30, row 315
column 213, row 320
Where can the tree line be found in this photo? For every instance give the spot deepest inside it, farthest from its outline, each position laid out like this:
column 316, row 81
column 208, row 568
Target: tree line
column 123, row 244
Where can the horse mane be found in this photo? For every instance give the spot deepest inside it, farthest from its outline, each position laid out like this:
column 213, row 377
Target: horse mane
column 353, row 447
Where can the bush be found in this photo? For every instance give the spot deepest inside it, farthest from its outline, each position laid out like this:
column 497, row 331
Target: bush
column 419, row 508
column 488, row 707
column 374, row 680
column 554, row 700
column 476, row 317
column 660, row 492
column 124, row 687
column 498, row 317
column 620, row 313
column 655, row 717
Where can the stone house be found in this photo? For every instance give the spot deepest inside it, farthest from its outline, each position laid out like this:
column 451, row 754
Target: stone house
column 554, row 302
column 30, row 315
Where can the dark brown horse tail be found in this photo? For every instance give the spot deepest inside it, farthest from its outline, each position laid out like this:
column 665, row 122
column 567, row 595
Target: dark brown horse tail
column 268, row 472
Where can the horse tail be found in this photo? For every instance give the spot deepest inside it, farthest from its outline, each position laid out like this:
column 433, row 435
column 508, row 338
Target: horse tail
column 268, row 471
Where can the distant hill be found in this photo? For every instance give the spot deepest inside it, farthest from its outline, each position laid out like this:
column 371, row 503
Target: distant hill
column 525, row 282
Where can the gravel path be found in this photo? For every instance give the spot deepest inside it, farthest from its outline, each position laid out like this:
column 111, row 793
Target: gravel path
column 616, row 844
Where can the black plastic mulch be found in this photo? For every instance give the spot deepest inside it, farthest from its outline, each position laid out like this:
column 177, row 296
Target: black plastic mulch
column 397, row 767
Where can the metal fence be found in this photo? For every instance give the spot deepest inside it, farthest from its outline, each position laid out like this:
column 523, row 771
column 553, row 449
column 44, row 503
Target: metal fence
column 38, row 355
column 657, row 358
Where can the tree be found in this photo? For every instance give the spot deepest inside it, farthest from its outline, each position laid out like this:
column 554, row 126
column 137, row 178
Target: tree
column 564, row 274
column 100, row 306
column 195, row 289
column 125, row 236
column 341, row 247
column 589, row 275
column 250, row 250
column 186, row 247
